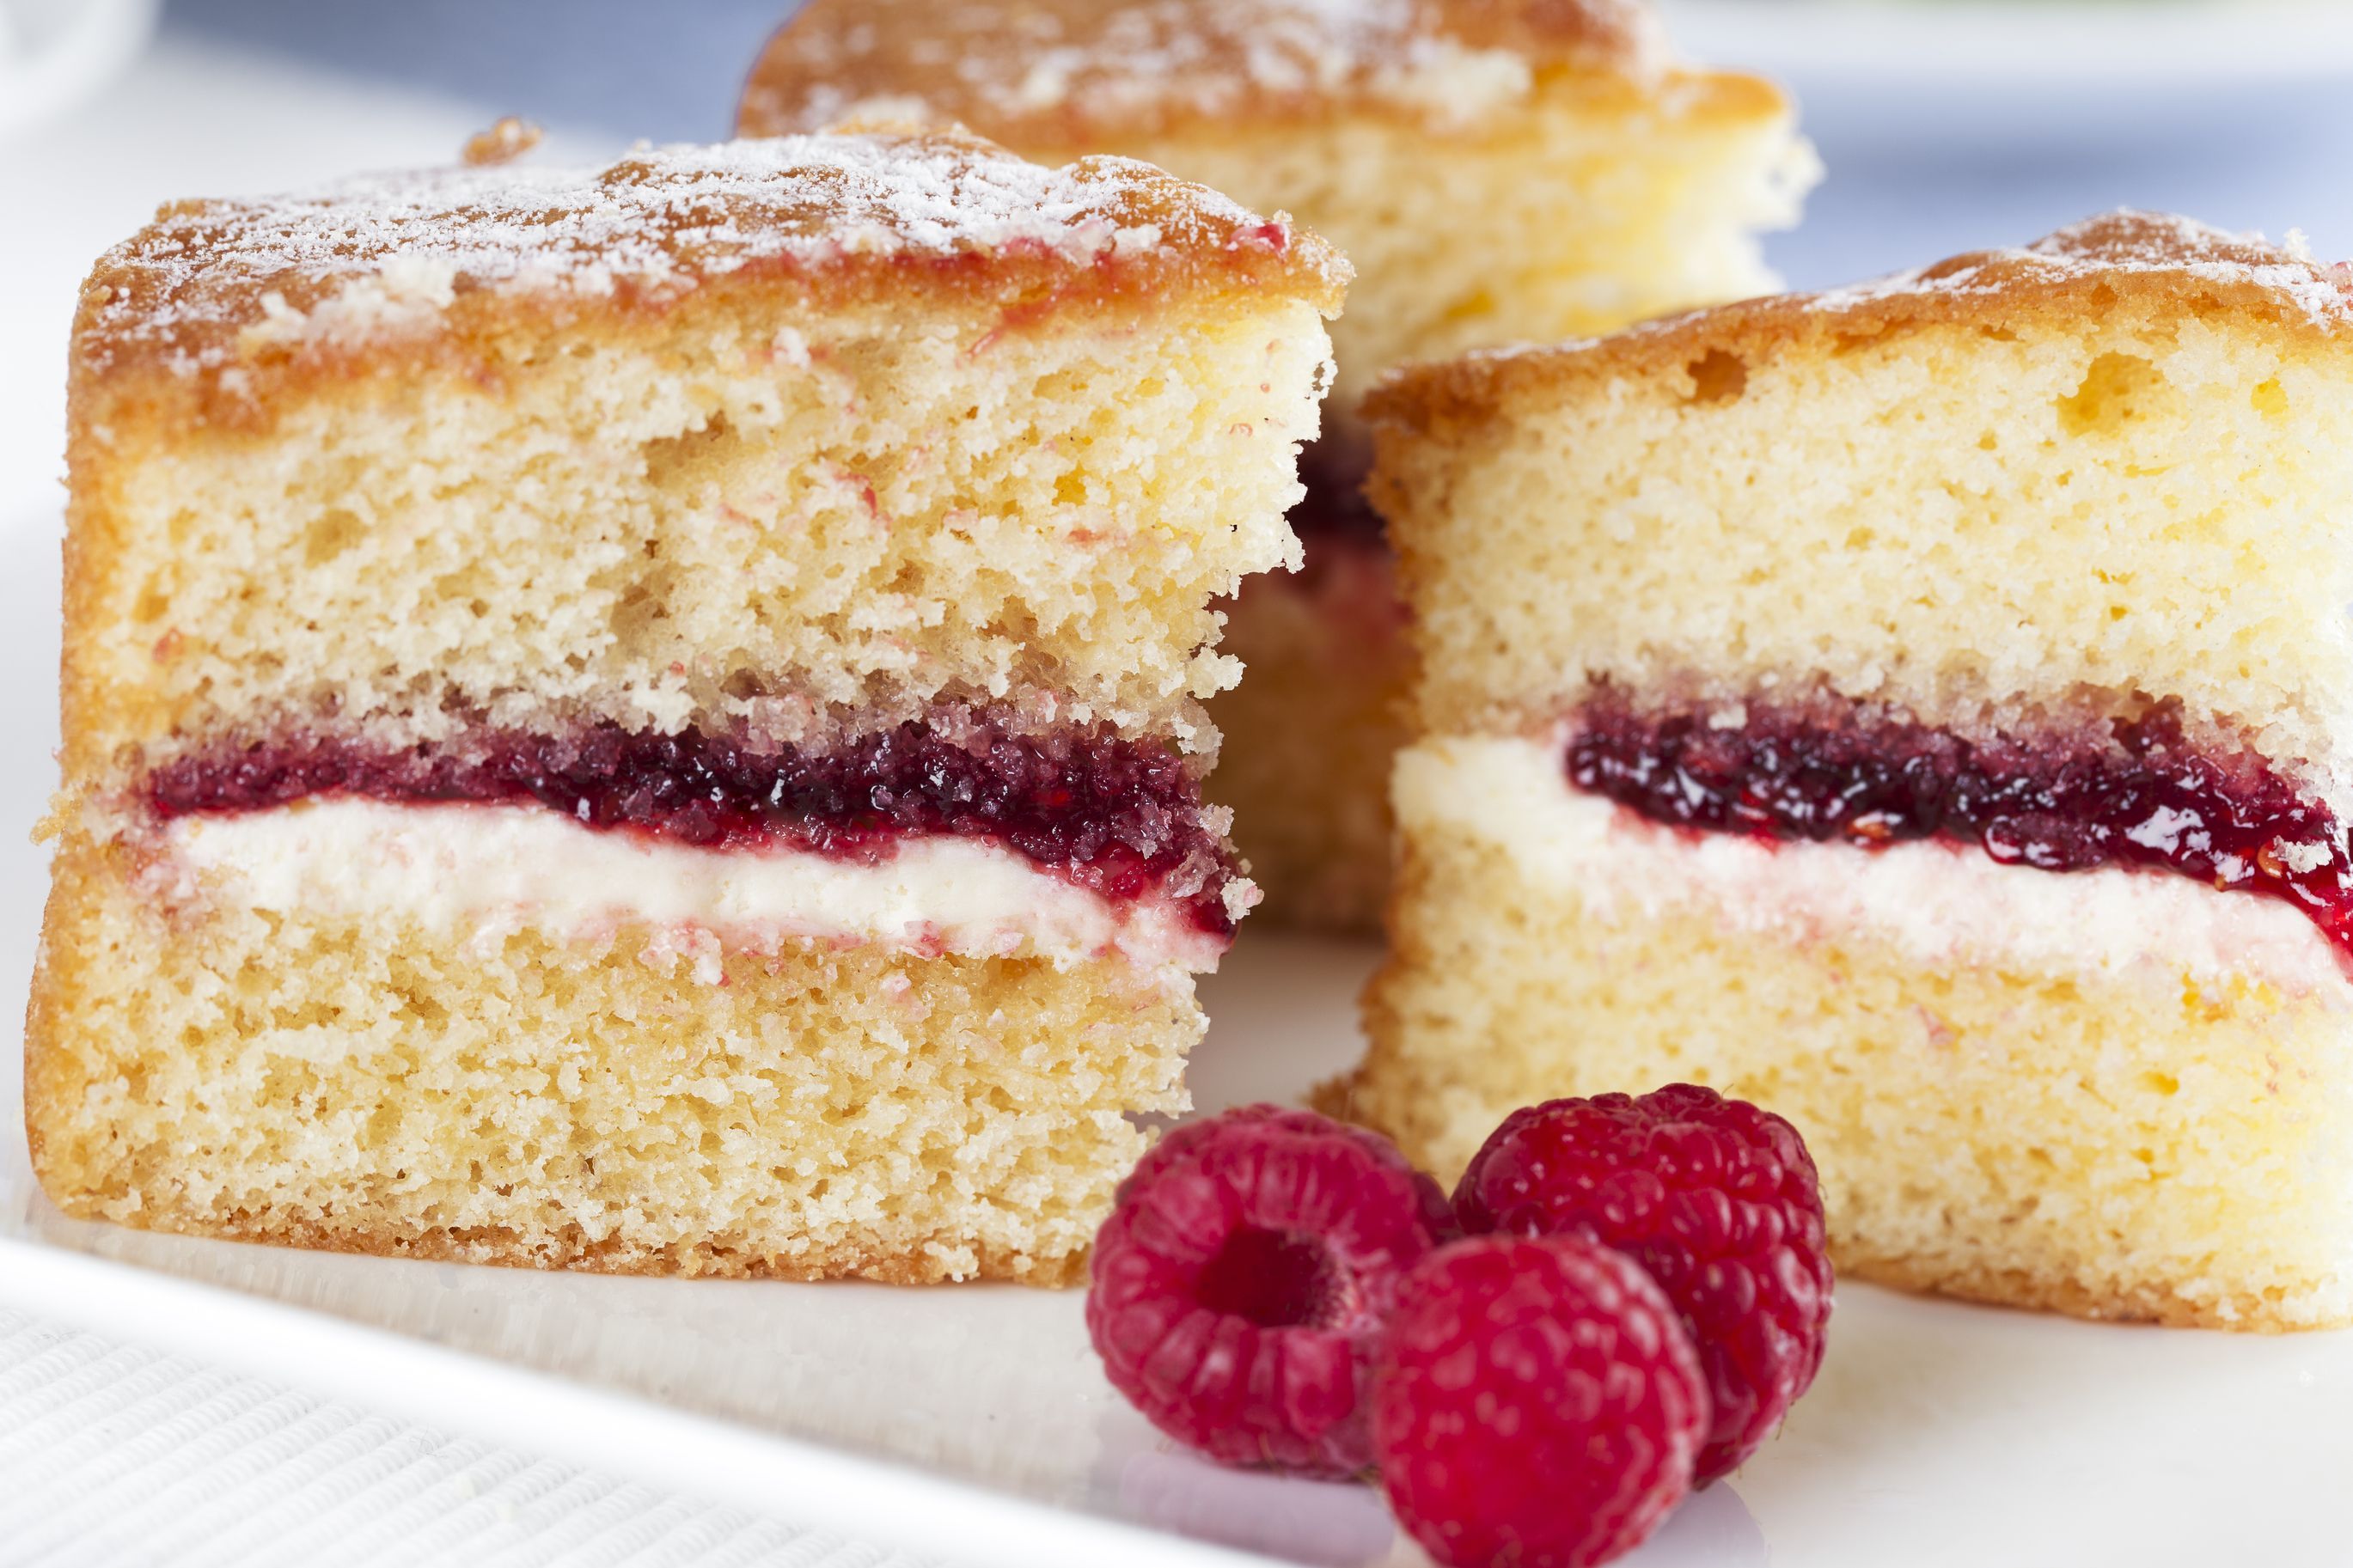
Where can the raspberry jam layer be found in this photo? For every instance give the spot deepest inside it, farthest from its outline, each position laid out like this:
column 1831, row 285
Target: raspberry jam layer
column 1119, row 818
column 2133, row 792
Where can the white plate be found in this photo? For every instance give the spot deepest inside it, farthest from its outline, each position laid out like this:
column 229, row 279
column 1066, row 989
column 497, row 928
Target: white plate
column 972, row 1424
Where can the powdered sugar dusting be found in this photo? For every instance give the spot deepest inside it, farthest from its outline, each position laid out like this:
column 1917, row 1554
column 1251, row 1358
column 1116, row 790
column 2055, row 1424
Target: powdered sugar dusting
column 1135, row 63
column 2130, row 242
column 212, row 280
column 2123, row 247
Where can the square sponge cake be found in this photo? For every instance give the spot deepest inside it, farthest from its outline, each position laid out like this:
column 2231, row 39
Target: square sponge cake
column 1495, row 170
column 1925, row 708
column 649, row 717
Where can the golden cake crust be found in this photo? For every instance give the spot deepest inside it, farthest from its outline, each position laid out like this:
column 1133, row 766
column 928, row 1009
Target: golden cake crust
column 1074, row 72
column 914, row 1263
column 223, row 309
column 2155, row 264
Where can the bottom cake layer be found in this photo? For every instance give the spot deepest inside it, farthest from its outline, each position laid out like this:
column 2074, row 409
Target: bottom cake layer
column 368, row 1083
column 2126, row 1135
column 1308, row 737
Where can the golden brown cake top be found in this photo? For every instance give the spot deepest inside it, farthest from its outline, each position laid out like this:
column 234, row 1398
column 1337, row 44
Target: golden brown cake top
column 1076, row 72
column 2154, row 263
column 223, row 294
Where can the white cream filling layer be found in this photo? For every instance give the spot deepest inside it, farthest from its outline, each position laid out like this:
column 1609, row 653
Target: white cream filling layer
column 487, row 870
column 1945, row 904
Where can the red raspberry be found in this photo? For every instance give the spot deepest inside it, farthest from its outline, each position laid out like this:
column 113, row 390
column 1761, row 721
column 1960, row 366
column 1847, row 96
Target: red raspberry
column 1715, row 1197
column 1242, row 1280
column 1537, row 1404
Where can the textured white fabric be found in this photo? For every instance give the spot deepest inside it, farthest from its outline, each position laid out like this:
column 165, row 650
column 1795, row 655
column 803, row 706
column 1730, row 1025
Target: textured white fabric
column 114, row 1457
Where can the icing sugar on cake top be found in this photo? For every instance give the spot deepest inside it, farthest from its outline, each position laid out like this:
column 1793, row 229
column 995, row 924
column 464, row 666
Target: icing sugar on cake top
column 212, row 280
column 1081, row 66
column 2139, row 252
column 2157, row 260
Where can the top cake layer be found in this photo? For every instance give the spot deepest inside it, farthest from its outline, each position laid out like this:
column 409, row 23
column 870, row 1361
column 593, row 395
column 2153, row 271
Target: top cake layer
column 782, row 442
column 231, row 299
column 1087, row 72
column 2017, row 492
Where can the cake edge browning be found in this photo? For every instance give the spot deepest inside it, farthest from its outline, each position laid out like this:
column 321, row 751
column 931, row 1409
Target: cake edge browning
column 2152, row 264
column 220, row 309
column 2159, row 1304
column 908, row 1265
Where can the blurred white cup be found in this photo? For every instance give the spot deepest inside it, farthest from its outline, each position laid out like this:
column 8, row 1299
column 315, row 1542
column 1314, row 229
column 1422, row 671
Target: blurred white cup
column 53, row 53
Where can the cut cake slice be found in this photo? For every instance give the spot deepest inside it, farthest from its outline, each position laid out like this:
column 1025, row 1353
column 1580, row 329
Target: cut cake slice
column 1925, row 708
column 648, row 718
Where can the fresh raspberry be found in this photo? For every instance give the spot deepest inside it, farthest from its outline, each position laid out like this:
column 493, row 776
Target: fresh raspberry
column 1537, row 1404
column 1715, row 1197
column 1242, row 1280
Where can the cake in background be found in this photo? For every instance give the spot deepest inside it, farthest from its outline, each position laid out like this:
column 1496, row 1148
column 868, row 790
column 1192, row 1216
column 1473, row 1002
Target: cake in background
column 1496, row 170
column 648, row 718
column 1925, row 710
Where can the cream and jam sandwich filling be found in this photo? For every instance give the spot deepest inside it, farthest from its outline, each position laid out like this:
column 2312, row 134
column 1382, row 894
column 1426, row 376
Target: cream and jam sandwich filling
column 1119, row 824
column 2128, row 792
